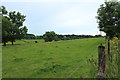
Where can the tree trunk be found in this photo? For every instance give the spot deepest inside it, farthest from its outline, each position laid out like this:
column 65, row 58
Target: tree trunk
column 108, row 47
column 12, row 43
column 119, row 45
column 118, row 38
column 4, row 43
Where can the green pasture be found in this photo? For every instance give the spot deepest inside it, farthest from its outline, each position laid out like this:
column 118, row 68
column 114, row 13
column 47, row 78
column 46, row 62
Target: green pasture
column 61, row 59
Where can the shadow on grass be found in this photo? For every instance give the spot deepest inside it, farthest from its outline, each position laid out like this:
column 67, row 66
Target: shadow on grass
column 10, row 44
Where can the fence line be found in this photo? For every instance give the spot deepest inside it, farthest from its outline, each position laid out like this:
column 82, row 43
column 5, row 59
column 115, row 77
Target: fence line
column 75, row 69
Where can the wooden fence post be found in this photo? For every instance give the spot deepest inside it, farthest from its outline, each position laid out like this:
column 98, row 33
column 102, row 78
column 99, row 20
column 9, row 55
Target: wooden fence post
column 101, row 62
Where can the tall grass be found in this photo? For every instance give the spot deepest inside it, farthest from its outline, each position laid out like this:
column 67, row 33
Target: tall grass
column 112, row 64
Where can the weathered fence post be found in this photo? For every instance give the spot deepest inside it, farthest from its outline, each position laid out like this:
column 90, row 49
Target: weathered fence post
column 101, row 62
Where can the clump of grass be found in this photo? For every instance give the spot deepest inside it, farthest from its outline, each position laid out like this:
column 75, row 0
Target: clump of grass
column 67, row 47
column 49, row 58
column 18, row 59
column 56, row 46
column 93, row 67
column 53, row 68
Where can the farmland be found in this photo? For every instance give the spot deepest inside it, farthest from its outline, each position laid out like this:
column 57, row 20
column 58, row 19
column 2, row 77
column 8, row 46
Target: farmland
column 61, row 59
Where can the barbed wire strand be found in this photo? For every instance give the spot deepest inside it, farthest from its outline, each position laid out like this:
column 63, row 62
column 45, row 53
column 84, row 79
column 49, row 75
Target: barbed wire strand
column 75, row 69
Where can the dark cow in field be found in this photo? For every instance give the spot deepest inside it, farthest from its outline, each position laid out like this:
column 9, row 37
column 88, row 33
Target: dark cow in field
column 36, row 42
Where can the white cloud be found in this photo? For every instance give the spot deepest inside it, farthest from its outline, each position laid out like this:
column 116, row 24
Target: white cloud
column 75, row 16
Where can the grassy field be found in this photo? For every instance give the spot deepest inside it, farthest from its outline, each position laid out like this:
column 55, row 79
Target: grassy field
column 62, row 59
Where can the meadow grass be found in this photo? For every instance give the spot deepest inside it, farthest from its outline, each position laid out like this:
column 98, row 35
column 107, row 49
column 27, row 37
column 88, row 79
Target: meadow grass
column 113, row 64
column 61, row 59
column 0, row 61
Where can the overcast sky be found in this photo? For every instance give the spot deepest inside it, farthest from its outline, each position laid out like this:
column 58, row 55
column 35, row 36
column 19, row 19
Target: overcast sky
column 61, row 16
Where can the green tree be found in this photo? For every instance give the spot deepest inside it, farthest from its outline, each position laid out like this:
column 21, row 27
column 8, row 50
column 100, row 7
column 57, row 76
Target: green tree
column 12, row 23
column 3, row 9
column 108, row 19
column 18, row 31
column 117, row 21
column 50, row 36
column 6, row 25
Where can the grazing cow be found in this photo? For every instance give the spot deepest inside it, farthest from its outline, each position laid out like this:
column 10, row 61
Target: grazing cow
column 36, row 42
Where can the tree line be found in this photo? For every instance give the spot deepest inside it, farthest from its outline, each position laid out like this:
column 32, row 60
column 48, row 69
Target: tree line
column 52, row 36
column 12, row 26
